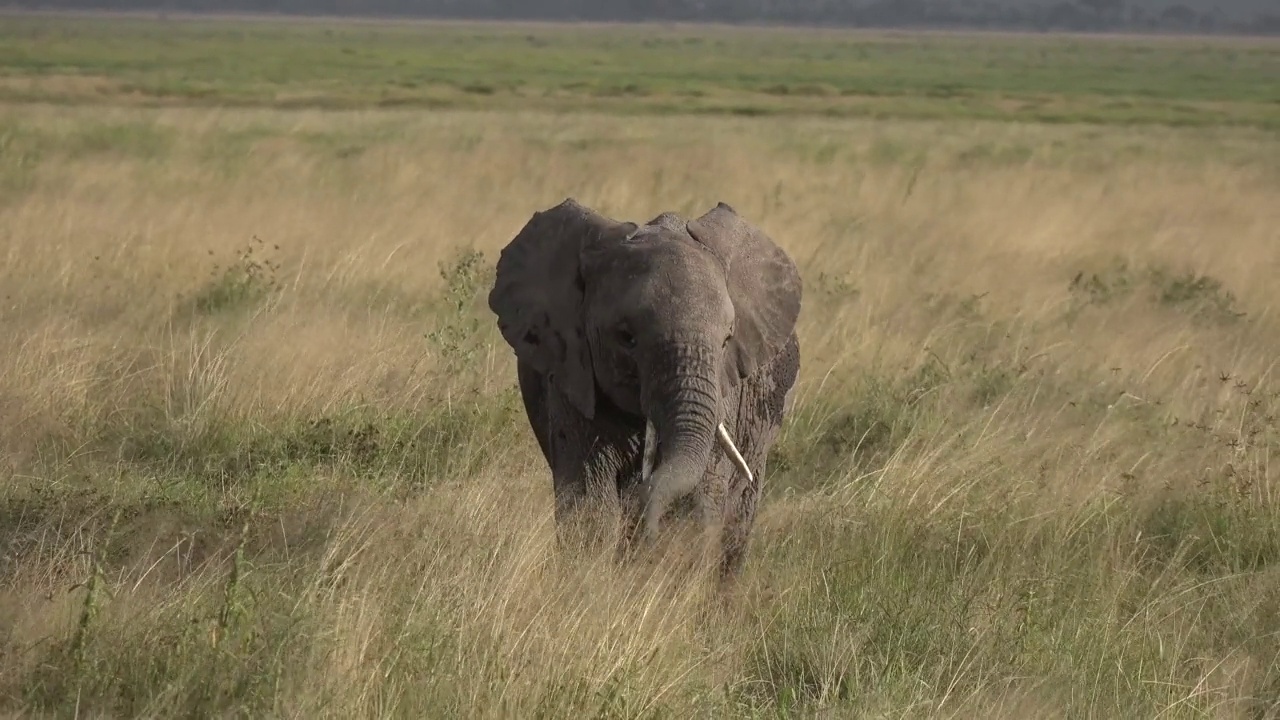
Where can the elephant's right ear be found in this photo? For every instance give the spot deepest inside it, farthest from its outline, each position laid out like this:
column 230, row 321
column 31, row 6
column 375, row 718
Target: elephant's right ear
column 538, row 296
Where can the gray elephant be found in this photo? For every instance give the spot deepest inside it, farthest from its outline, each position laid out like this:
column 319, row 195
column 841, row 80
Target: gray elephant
column 655, row 362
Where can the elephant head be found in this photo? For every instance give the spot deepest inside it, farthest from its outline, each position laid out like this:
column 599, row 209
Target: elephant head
column 657, row 322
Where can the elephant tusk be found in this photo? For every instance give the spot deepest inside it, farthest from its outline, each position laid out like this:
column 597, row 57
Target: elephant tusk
column 650, row 451
column 727, row 442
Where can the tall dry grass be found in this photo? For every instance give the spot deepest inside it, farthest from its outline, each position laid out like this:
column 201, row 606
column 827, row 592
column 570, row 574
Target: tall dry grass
column 1027, row 474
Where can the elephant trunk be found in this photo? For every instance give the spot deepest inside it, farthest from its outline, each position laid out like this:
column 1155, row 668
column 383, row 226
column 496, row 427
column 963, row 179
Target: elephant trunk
column 683, row 423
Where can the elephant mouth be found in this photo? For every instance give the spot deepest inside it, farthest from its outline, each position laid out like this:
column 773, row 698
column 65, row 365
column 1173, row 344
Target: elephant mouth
column 722, row 437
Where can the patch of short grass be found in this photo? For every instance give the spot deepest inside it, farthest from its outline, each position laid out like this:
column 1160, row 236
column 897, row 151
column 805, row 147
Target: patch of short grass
column 748, row 72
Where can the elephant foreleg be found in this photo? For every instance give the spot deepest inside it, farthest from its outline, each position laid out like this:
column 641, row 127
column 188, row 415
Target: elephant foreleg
column 762, row 404
column 589, row 460
column 742, row 498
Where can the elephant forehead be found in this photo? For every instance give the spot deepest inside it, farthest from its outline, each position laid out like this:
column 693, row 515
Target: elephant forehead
column 660, row 253
column 658, row 268
column 677, row 273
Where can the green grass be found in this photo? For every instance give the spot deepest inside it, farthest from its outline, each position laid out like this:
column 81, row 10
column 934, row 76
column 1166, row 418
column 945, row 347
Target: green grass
column 640, row 69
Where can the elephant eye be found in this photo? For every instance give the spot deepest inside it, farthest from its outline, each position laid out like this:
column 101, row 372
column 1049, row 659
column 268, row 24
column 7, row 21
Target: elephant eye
column 625, row 337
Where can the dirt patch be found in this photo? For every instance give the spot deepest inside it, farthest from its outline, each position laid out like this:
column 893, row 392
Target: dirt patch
column 63, row 86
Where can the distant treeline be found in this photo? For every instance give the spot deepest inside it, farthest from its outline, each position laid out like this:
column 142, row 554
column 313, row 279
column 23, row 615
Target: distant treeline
column 1220, row 16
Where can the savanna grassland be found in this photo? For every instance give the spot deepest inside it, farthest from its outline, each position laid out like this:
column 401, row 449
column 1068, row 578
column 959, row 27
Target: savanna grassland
column 263, row 455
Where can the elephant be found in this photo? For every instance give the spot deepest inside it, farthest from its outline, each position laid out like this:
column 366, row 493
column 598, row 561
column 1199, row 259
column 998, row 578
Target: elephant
column 655, row 362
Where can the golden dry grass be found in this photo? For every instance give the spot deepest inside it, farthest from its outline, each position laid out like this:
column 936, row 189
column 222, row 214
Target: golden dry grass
column 1028, row 472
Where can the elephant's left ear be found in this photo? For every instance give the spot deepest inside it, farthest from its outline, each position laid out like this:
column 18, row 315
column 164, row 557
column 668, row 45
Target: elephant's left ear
column 764, row 284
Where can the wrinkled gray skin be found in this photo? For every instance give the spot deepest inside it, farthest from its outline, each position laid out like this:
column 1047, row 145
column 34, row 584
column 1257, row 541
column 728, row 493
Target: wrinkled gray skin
column 677, row 326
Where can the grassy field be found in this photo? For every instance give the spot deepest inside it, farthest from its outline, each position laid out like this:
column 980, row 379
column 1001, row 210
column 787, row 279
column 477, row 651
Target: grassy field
column 328, row 64
column 261, row 451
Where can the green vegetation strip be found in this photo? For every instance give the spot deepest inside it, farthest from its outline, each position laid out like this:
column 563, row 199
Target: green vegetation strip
column 639, row 69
